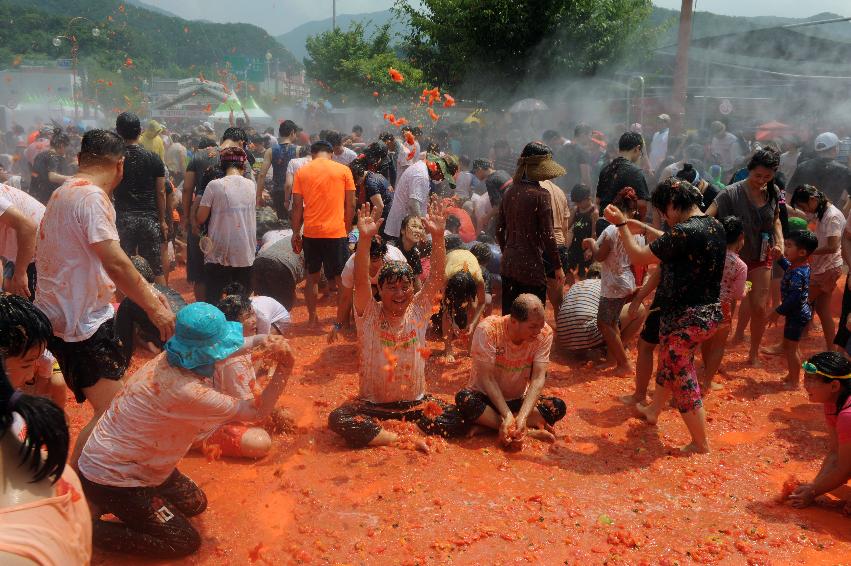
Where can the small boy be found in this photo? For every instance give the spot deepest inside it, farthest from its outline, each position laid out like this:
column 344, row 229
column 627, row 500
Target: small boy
column 794, row 297
column 581, row 226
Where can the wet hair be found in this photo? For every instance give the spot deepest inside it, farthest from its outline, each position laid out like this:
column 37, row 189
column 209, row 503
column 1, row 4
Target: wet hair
column 535, row 148
column 143, row 267
column 45, row 448
column 594, row 271
column 176, row 138
column 626, row 200
column 334, row 138
column 235, row 134
column 406, row 221
column 234, row 306
column 629, row 141
column 485, row 238
column 320, row 146
column 417, row 131
column 482, row 252
column 767, row 158
column 681, row 194
column 733, row 228
column 386, row 136
column 580, row 192
column 59, row 138
column 377, row 248
column 287, row 128
column 358, row 167
column 454, row 242
column 521, row 308
column 375, row 152
column 460, row 290
column 688, row 173
column 550, row 135
column 22, row 326
column 205, row 142
column 357, row 129
column 834, row 363
column 582, row 129
column 803, row 193
column 235, row 288
column 453, row 223
column 128, row 126
column 232, row 157
column 98, row 146
column 393, row 271
column 805, row 240
column 464, row 160
column 481, row 164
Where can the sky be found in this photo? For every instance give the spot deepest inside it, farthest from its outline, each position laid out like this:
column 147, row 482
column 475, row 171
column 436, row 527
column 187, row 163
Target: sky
column 280, row 16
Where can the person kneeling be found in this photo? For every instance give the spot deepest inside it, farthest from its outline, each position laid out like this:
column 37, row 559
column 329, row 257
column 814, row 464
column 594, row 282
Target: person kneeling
column 510, row 358
column 128, row 465
column 392, row 345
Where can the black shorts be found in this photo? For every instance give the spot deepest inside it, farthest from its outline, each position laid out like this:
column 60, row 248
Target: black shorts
column 842, row 333
column 576, row 260
column 473, row 403
column 83, row 364
column 141, row 235
column 511, row 289
column 279, row 204
column 793, row 329
column 562, row 256
column 154, row 520
column 650, row 331
column 328, row 254
column 357, row 421
column 217, row 277
column 194, row 259
column 9, row 271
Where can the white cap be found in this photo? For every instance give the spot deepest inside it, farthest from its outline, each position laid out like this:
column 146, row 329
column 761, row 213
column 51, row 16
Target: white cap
column 664, row 117
column 825, row 141
column 207, row 126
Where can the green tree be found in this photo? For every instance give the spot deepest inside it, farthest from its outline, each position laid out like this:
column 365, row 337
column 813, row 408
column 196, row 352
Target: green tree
column 489, row 47
column 351, row 67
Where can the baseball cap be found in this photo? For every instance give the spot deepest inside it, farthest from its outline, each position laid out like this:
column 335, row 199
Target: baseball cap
column 664, row 117
column 825, row 141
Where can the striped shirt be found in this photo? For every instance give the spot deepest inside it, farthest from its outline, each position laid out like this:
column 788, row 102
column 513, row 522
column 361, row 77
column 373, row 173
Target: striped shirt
column 576, row 323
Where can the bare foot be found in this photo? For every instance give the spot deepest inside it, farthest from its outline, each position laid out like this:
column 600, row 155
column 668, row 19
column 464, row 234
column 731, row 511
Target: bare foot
column 422, row 446
column 737, row 339
column 773, row 350
column 623, row 371
column 694, row 448
column 647, row 412
column 541, row 434
column 477, row 429
column 717, row 386
column 449, row 358
column 631, row 400
column 791, row 382
column 753, row 361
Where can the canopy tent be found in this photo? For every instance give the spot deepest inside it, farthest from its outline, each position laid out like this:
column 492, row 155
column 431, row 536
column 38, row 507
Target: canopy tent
column 233, row 104
column 772, row 130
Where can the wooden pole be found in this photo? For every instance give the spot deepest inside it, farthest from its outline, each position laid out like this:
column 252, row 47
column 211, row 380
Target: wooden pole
column 680, row 86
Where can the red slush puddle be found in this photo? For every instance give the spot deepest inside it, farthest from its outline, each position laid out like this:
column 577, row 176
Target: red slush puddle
column 612, row 490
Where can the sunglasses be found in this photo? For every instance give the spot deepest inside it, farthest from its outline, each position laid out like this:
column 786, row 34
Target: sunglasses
column 811, row 368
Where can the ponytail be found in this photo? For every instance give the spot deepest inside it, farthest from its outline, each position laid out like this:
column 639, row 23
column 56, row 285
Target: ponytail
column 45, row 427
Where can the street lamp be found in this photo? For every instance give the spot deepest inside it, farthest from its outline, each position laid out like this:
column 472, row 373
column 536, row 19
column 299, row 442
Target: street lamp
column 268, row 70
column 69, row 35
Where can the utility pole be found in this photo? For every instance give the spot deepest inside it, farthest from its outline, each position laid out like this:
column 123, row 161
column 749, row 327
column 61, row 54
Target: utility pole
column 334, row 15
column 680, row 87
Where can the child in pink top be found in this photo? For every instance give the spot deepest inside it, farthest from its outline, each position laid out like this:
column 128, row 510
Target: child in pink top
column 732, row 291
column 827, row 379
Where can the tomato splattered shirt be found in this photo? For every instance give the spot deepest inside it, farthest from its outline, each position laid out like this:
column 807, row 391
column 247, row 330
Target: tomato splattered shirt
column 152, row 423
column 841, row 422
column 512, row 363
column 392, row 358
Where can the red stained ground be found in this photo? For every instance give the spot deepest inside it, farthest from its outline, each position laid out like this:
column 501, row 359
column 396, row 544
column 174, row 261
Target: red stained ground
column 612, row 490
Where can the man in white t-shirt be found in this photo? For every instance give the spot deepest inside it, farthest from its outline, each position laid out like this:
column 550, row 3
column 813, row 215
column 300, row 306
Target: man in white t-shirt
column 412, row 190
column 20, row 217
column 725, row 147
column 659, row 145
column 392, row 346
column 272, row 316
column 293, row 166
column 379, row 254
column 80, row 263
column 340, row 154
column 510, row 355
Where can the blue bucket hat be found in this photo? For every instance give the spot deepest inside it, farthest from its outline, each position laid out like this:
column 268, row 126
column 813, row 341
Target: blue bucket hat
column 202, row 337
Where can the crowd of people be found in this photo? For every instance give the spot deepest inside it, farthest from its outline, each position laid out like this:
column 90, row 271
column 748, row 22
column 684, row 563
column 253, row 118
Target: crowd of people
column 417, row 236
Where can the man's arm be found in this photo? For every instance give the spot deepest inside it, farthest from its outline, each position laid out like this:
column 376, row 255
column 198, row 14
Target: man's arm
column 258, row 409
column 159, row 186
column 296, row 220
column 261, row 178
column 202, row 214
column 536, row 385
column 54, row 177
column 25, row 233
column 349, row 208
column 188, row 193
column 585, row 174
column 119, row 268
column 369, row 223
column 545, row 227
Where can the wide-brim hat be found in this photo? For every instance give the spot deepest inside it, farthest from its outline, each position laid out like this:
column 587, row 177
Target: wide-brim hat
column 202, row 336
column 538, row 168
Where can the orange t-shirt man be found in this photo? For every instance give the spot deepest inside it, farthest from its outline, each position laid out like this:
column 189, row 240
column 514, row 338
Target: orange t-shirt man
column 323, row 184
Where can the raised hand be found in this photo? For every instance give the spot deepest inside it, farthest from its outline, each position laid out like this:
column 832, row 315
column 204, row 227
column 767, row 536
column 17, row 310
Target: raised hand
column 369, row 221
column 435, row 220
column 614, row 215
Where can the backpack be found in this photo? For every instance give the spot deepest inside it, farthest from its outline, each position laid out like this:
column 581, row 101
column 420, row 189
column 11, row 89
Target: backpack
column 281, row 156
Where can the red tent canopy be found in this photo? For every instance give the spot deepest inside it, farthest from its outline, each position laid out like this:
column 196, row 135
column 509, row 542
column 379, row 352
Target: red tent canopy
column 772, row 130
